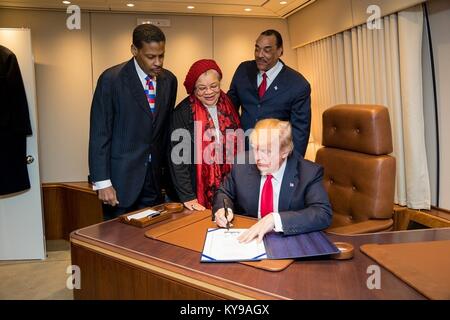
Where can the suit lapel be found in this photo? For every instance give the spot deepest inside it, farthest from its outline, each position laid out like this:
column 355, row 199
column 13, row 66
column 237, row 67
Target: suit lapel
column 252, row 186
column 278, row 85
column 135, row 86
column 252, row 73
column 161, row 92
column 289, row 183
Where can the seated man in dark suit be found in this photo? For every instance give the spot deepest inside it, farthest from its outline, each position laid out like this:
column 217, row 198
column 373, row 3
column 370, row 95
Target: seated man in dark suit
column 279, row 187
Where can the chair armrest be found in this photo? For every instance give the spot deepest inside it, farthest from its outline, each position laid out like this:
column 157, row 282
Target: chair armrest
column 368, row 226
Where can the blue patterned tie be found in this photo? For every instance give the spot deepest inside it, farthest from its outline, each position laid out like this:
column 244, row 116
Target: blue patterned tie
column 150, row 93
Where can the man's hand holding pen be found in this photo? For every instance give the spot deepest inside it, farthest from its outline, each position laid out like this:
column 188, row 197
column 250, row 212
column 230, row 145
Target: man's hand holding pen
column 221, row 220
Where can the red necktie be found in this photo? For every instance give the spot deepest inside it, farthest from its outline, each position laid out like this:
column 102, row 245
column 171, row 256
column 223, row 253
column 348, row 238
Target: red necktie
column 263, row 85
column 267, row 197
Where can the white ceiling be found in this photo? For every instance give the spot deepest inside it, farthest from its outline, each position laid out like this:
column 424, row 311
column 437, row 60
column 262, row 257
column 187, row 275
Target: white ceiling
column 259, row 8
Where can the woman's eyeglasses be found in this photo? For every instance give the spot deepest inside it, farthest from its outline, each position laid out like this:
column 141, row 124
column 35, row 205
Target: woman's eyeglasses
column 201, row 90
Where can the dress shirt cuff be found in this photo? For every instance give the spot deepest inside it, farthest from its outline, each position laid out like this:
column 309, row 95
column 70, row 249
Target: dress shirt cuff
column 101, row 184
column 277, row 222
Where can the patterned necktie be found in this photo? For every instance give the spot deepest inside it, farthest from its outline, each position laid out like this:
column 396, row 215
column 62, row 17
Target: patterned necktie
column 150, row 93
column 263, row 85
column 267, row 197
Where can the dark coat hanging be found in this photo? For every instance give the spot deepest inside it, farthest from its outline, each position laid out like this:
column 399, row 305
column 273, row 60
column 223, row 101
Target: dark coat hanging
column 14, row 125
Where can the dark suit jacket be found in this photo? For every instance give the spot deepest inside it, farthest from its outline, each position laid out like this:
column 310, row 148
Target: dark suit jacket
column 303, row 204
column 124, row 132
column 184, row 175
column 15, row 125
column 287, row 98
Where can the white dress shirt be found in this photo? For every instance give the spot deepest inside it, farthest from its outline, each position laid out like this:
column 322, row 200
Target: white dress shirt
column 276, row 185
column 212, row 110
column 97, row 185
column 271, row 74
column 142, row 75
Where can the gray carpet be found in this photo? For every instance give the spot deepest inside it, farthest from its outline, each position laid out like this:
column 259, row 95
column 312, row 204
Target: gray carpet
column 36, row 279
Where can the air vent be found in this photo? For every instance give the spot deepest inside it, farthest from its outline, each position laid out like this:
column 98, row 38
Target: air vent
column 156, row 22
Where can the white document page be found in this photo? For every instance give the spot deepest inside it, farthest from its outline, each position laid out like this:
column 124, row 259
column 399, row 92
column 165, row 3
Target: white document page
column 142, row 214
column 222, row 245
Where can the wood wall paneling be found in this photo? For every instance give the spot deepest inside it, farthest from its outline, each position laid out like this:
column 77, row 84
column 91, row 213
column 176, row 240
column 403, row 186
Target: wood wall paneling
column 54, row 207
column 68, row 207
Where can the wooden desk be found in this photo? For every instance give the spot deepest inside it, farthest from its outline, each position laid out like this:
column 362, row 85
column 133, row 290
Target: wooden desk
column 118, row 262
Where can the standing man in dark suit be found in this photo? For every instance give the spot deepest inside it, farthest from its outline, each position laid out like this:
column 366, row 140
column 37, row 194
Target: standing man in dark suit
column 280, row 188
column 267, row 88
column 129, row 126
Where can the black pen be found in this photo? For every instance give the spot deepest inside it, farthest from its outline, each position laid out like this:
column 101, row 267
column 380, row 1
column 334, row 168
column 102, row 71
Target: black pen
column 226, row 213
column 156, row 213
column 153, row 214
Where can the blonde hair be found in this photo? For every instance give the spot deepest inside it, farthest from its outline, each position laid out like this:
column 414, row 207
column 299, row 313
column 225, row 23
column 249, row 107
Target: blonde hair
column 268, row 128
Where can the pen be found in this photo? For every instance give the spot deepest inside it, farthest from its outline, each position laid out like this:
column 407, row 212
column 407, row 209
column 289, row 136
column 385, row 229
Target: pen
column 151, row 215
column 155, row 214
column 226, row 213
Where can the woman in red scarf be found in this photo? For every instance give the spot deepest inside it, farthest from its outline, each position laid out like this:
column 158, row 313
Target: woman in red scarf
column 206, row 143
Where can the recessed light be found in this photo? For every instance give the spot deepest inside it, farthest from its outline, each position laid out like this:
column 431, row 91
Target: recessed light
column 66, row 2
column 248, row 9
column 190, row 7
column 283, row 2
column 131, row 5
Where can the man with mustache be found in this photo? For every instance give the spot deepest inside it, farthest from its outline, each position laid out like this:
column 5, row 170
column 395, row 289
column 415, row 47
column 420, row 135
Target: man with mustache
column 267, row 88
column 129, row 126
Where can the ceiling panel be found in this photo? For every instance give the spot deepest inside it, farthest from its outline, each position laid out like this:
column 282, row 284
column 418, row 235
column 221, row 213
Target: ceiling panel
column 204, row 8
column 258, row 8
column 285, row 8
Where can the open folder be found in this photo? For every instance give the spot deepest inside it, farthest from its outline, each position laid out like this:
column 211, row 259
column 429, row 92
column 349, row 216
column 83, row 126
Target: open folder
column 221, row 245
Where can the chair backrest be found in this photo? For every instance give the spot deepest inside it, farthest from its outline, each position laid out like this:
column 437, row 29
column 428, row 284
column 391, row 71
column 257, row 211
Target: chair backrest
column 359, row 175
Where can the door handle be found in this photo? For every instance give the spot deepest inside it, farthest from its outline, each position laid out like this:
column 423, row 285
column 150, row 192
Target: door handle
column 30, row 159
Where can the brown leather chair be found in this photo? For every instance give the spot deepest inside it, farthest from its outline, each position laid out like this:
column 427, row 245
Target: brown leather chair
column 359, row 175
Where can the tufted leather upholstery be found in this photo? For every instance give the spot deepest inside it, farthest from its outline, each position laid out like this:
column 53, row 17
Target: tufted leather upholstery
column 359, row 175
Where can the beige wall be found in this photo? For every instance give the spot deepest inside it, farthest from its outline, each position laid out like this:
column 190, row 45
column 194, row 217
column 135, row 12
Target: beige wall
column 188, row 39
column 63, row 85
column 324, row 18
column 234, row 42
column 68, row 64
